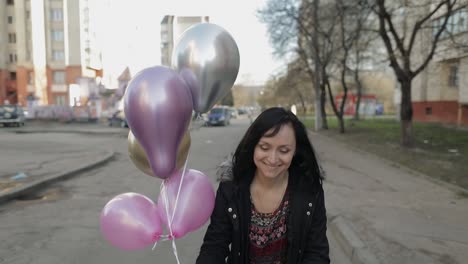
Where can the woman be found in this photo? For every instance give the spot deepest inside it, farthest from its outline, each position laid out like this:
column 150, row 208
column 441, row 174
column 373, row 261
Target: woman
column 272, row 210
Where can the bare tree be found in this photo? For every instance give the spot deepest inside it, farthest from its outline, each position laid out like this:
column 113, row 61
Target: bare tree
column 318, row 44
column 272, row 94
column 322, row 35
column 363, row 50
column 296, row 79
column 293, row 28
column 352, row 15
column 395, row 18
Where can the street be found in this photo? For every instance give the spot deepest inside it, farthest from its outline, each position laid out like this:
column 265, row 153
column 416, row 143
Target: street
column 61, row 224
column 379, row 211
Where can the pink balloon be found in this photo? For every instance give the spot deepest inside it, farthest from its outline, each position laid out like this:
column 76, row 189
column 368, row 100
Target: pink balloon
column 158, row 107
column 130, row 221
column 195, row 205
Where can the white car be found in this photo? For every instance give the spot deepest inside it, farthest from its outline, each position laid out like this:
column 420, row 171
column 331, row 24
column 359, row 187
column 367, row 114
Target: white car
column 11, row 115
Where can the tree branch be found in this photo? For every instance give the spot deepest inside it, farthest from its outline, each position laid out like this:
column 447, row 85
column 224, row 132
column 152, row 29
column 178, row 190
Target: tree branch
column 436, row 39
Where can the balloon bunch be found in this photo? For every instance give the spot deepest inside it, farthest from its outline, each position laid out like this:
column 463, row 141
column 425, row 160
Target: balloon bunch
column 158, row 104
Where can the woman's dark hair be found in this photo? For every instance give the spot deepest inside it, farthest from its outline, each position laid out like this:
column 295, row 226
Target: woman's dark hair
column 304, row 160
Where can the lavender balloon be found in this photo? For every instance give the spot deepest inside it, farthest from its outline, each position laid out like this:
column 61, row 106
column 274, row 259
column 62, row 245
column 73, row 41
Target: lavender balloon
column 158, row 107
column 195, row 204
column 130, row 221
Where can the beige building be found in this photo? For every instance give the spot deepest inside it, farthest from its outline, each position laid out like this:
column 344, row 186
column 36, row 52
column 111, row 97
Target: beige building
column 171, row 29
column 46, row 47
column 440, row 92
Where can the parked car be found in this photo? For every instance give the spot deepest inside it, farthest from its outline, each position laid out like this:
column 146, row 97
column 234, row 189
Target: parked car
column 242, row 111
column 219, row 116
column 117, row 119
column 12, row 115
column 234, row 113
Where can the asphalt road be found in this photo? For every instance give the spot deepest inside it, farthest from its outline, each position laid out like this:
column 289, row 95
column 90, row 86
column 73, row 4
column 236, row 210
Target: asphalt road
column 64, row 228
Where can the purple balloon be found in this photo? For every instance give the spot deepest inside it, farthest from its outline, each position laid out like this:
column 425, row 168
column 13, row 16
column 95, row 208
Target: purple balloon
column 195, row 205
column 158, row 107
column 130, row 221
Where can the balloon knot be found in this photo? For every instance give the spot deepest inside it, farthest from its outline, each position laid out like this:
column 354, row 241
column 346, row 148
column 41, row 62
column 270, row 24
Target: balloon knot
column 156, row 237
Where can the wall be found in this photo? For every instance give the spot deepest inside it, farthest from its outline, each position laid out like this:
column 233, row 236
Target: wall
column 442, row 111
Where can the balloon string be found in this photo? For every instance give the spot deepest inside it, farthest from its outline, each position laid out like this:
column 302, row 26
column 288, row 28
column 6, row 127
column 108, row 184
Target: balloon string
column 163, row 192
column 161, row 238
column 165, row 237
column 180, row 187
column 174, row 247
column 165, row 202
column 169, row 220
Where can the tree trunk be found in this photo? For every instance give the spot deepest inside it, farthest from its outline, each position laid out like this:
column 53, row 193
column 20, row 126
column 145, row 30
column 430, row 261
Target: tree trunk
column 341, row 123
column 406, row 115
column 323, row 113
column 301, row 98
column 358, row 94
column 358, row 105
column 319, row 104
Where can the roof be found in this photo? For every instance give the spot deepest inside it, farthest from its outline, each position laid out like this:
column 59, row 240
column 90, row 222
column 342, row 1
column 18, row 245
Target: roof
column 125, row 75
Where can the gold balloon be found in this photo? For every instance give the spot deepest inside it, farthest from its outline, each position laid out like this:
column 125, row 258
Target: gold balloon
column 138, row 156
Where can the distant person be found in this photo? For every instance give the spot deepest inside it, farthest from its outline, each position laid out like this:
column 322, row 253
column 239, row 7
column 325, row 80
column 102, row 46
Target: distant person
column 270, row 206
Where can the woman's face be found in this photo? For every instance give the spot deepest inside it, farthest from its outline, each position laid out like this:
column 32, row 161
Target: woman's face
column 273, row 155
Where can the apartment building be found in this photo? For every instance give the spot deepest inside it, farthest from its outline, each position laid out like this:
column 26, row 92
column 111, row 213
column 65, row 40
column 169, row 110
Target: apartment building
column 440, row 92
column 171, row 29
column 48, row 48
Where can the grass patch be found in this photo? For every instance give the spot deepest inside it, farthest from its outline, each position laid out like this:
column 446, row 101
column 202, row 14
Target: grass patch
column 440, row 152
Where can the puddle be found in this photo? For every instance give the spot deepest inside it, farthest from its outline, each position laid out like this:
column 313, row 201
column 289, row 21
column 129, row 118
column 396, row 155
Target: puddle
column 51, row 194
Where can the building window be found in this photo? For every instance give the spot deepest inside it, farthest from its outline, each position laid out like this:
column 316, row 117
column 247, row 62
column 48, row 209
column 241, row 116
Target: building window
column 13, row 58
column 59, row 77
column 428, row 110
column 28, row 14
column 457, row 23
column 56, row 14
column 58, row 55
column 11, row 37
column 10, row 20
column 453, row 76
column 13, row 76
column 10, row 2
column 60, row 100
column 57, row 35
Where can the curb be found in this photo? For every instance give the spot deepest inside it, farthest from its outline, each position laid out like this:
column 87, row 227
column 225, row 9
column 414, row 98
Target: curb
column 450, row 186
column 36, row 185
column 350, row 242
column 67, row 131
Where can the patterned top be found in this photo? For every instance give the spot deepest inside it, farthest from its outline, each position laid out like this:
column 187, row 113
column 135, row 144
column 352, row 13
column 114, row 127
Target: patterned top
column 268, row 235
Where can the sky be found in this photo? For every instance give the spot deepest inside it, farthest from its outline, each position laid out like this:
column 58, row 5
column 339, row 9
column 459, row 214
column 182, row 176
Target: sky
column 129, row 33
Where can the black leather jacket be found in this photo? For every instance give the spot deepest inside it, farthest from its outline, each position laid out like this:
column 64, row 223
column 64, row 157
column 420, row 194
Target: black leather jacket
column 226, row 239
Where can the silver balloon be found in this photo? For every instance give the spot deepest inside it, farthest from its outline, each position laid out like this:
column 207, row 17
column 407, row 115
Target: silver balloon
column 207, row 58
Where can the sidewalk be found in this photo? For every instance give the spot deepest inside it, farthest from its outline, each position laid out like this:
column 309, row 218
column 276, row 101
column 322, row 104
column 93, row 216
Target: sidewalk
column 398, row 216
column 29, row 166
column 33, row 126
